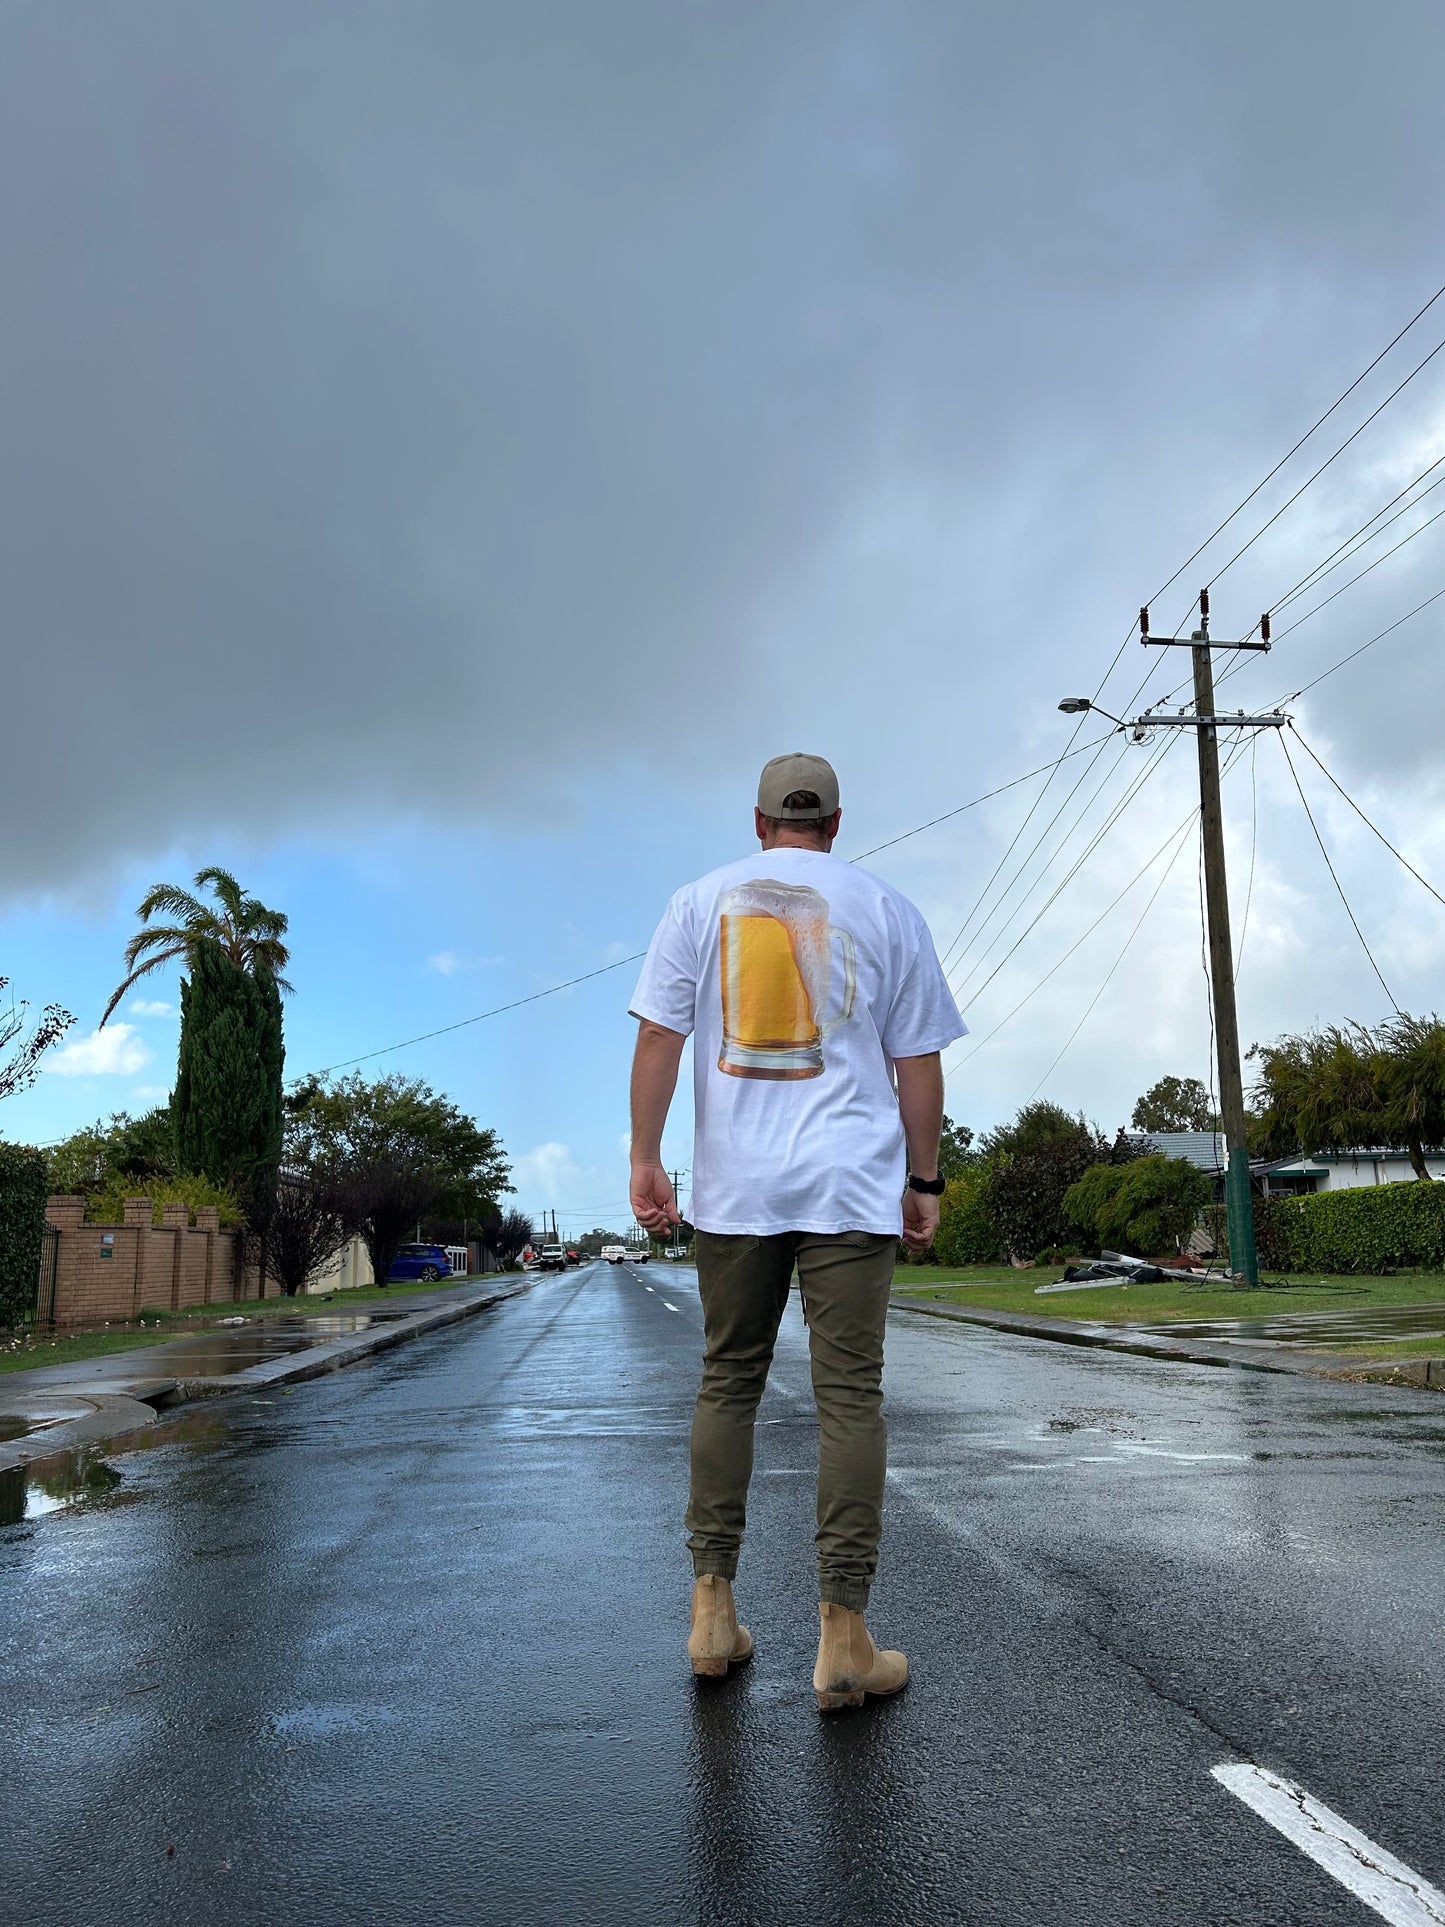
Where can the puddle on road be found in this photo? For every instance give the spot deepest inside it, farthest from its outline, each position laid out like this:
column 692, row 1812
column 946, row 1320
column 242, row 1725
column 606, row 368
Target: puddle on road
column 85, row 1475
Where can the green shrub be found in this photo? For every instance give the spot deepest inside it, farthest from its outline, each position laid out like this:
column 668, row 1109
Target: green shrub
column 1369, row 1228
column 1146, row 1206
column 107, row 1206
column 965, row 1231
column 23, row 1189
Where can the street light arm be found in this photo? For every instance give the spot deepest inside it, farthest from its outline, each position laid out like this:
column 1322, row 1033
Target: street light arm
column 1076, row 705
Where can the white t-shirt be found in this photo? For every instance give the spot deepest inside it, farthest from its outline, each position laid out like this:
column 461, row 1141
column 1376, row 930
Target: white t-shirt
column 800, row 978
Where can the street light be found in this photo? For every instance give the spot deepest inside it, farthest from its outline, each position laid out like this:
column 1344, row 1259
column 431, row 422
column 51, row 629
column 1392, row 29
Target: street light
column 1076, row 705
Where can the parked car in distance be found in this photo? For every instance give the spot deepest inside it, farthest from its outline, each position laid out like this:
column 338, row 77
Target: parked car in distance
column 428, row 1262
column 554, row 1258
column 614, row 1254
column 574, row 1257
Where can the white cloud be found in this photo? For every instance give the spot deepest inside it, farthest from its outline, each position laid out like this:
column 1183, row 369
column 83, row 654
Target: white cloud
column 448, row 962
column 147, row 1007
column 114, row 1052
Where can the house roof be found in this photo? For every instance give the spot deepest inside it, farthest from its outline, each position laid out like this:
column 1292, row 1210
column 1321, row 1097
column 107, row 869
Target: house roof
column 1204, row 1149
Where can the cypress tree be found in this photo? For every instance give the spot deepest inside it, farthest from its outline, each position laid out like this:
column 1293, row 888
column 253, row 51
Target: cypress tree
column 227, row 1102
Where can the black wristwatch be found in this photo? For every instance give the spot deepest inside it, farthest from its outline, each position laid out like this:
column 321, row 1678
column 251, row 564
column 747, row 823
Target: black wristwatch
column 931, row 1187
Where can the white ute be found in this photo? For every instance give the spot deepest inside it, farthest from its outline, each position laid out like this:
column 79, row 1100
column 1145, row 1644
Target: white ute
column 614, row 1254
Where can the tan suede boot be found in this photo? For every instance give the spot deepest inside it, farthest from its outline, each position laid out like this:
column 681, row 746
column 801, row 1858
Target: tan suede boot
column 716, row 1641
column 849, row 1664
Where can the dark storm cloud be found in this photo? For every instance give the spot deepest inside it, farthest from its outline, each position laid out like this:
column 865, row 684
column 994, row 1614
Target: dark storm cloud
column 379, row 378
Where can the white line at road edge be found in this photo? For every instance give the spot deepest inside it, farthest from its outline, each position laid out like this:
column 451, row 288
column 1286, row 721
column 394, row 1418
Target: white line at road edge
column 671, row 1307
column 1395, row 1892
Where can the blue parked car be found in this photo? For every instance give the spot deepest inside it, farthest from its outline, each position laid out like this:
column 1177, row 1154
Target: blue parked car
column 428, row 1262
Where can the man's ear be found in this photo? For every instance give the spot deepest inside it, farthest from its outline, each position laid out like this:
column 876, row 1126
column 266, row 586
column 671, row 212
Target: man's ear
column 759, row 825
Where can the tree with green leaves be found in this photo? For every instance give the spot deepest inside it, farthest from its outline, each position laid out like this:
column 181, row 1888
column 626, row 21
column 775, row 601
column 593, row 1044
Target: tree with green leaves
column 250, row 934
column 100, row 1157
column 403, row 1151
column 1032, row 1162
column 956, row 1152
column 1147, row 1206
column 1346, row 1087
column 353, row 1120
column 1175, row 1104
column 508, row 1233
column 227, row 1104
column 591, row 1243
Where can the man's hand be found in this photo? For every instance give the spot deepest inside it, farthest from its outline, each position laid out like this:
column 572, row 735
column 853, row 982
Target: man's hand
column 920, row 1219
column 653, row 1203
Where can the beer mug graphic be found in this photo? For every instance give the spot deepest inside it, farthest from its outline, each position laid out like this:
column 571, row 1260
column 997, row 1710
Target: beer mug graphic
column 777, row 976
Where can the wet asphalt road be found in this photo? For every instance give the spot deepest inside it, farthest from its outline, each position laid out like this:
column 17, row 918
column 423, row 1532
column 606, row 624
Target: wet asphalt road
column 405, row 1645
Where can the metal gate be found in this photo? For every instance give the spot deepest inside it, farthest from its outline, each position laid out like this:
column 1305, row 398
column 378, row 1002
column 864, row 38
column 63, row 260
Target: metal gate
column 45, row 1284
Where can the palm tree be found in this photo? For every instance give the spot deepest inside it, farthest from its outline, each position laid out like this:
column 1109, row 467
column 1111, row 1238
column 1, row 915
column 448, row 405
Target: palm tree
column 245, row 929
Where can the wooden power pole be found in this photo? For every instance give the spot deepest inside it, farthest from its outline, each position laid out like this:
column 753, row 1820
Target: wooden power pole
column 1239, row 1202
column 1207, row 723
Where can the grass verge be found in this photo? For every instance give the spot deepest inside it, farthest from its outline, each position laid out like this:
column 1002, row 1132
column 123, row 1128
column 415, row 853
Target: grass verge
column 1000, row 1288
column 63, row 1351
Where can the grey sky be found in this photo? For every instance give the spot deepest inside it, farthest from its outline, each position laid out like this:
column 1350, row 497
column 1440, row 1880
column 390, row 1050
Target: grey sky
column 364, row 359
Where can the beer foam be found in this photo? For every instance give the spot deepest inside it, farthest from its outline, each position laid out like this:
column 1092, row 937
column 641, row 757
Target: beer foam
column 803, row 913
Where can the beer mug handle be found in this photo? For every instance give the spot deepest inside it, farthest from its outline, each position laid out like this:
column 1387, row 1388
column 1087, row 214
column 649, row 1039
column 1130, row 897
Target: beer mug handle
column 850, row 980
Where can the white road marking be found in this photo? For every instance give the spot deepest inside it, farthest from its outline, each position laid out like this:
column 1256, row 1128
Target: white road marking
column 1395, row 1891
column 647, row 1287
column 671, row 1307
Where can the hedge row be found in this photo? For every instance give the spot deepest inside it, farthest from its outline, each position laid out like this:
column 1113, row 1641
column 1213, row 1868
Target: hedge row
column 1369, row 1228
column 23, row 1188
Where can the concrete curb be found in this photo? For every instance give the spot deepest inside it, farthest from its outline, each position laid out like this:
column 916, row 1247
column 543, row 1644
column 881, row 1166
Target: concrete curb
column 112, row 1415
column 1420, row 1372
column 68, row 1420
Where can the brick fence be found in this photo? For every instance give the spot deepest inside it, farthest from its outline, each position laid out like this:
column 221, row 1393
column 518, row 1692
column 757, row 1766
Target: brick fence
column 117, row 1271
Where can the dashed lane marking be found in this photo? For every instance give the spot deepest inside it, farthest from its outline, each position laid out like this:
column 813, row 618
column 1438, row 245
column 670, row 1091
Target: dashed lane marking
column 671, row 1307
column 1396, row 1892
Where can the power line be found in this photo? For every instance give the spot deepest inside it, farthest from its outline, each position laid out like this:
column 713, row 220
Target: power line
column 1108, row 975
column 1305, row 688
column 1367, row 823
column 498, row 1010
column 1130, row 793
column 959, row 1062
column 1337, row 403
column 1312, row 479
column 462, row 1023
column 1253, row 846
column 1098, row 744
column 1428, row 523
column 1108, row 911
column 1082, row 779
column 1319, row 423
column 1337, row 556
column 1028, row 858
column 1354, row 921
column 987, row 797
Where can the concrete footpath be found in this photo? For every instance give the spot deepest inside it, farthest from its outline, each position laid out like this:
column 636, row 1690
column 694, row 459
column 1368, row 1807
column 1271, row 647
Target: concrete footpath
column 56, row 1408
column 1266, row 1355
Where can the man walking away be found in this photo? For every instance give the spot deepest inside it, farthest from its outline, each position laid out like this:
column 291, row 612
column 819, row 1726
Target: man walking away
column 818, row 1010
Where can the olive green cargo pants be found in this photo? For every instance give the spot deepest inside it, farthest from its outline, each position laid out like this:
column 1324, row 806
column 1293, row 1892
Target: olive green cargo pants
column 845, row 1279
